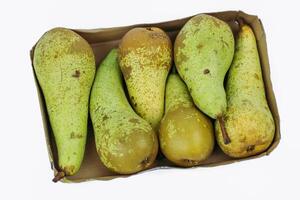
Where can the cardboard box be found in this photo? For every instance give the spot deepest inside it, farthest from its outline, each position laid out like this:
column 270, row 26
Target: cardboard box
column 102, row 40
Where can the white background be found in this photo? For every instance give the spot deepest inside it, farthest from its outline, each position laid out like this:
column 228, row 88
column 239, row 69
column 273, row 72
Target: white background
column 25, row 169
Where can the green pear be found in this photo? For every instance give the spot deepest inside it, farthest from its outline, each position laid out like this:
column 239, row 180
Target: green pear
column 125, row 142
column 145, row 60
column 186, row 135
column 248, row 120
column 203, row 52
column 64, row 64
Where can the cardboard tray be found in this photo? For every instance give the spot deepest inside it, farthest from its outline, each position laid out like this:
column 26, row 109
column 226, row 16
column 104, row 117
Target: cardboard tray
column 102, row 40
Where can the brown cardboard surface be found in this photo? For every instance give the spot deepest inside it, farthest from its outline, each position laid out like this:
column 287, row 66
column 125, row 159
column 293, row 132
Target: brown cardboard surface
column 102, row 40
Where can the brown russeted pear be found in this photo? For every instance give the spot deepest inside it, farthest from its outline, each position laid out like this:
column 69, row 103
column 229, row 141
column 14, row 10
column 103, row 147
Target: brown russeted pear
column 145, row 59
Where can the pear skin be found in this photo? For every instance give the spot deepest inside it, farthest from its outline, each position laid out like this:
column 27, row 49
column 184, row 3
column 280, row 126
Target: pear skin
column 125, row 142
column 248, row 119
column 145, row 59
column 203, row 52
column 186, row 135
column 64, row 64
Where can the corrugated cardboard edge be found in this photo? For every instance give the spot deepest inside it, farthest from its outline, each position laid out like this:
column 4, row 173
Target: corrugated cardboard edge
column 252, row 20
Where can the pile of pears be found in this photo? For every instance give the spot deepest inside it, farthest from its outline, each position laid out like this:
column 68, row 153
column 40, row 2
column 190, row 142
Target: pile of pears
column 141, row 102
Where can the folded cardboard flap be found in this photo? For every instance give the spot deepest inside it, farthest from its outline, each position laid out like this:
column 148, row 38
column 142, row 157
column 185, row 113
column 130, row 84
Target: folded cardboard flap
column 103, row 40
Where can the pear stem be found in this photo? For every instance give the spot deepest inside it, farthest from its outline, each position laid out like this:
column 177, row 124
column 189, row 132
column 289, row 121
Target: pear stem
column 58, row 176
column 240, row 22
column 225, row 136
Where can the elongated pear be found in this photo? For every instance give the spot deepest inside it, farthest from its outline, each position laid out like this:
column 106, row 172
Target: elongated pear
column 145, row 60
column 248, row 120
column 125, row 142
column 186, row 135
column 203, row 52
column 64, row 64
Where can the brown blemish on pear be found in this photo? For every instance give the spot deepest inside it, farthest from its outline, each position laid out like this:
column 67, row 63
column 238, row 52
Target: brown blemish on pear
column 76, row 74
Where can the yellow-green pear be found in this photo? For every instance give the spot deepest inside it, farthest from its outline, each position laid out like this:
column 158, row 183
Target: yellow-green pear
column 203, row 52
column 125, row 142
column 64, row 65
column 186, row 135
column 248, row 120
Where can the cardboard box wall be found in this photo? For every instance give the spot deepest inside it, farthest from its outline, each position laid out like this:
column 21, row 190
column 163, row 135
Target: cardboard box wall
column 102, row 40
